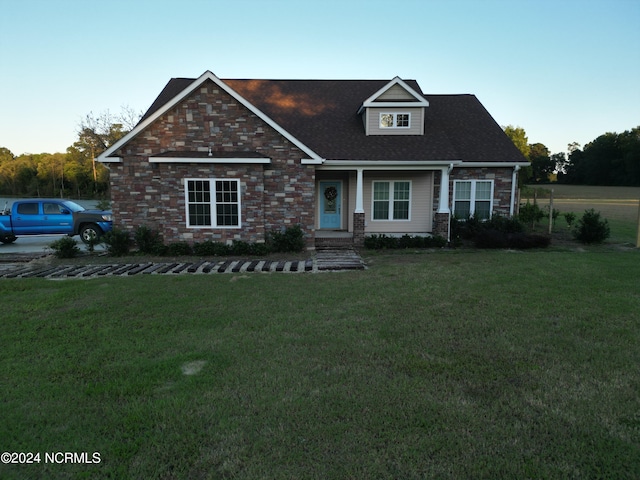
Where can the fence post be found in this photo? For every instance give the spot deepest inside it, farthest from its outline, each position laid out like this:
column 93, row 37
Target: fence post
column 551, row 212
column 638, row 235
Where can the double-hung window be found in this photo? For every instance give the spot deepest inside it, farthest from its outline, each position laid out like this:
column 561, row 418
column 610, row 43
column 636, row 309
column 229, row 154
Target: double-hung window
column 391, row 200
column 395, row 120
column 213, row 203
column 473, row 198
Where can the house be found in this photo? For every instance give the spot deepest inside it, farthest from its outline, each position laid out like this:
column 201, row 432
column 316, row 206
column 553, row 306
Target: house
column 228, row 160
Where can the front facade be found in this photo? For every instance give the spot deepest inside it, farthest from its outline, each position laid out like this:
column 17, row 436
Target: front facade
column 228, row 160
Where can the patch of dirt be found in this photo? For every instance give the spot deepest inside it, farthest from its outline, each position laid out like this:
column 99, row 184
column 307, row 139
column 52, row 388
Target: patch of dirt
column 192, row 368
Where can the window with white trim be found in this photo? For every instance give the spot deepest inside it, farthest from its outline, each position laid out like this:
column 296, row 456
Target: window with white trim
column 391, row 200
column 395, row 120
column 212, row 203
column 473, row 198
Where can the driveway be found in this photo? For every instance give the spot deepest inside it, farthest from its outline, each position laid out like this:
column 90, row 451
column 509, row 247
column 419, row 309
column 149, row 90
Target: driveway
column 36, row 244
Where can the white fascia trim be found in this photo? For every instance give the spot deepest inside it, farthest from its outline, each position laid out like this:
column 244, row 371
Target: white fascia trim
column 420, row 100
column 492, row 164
column 195, row 84
column 312, row 161
column 389, row 164
column 394, row 105
column 158, row 113
column 207, row 160
column 110, row 160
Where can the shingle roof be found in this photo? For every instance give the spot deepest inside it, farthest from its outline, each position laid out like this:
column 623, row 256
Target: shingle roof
column 322, row 114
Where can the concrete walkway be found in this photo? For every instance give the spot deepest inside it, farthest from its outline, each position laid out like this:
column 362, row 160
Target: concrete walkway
column 322, row 260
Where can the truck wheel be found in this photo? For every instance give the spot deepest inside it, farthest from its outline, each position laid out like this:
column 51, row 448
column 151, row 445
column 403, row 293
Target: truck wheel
column 90, row 232
column 6, row 239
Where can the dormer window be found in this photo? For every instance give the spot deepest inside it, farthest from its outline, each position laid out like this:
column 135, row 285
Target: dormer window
column 395, row 120
column 395, row 109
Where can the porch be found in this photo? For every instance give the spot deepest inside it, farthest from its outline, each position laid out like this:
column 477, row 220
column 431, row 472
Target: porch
column 345, row 198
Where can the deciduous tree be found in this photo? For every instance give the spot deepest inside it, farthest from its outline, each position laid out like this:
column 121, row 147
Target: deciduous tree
column 519, row 139
column 541, row 164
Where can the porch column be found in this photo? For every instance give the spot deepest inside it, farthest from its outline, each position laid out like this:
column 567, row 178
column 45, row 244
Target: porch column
column 358, row 213
column 359, row 192
column 442, row 219
column 443, row 205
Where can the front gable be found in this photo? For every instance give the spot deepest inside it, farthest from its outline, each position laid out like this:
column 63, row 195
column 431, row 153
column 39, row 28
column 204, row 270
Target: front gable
column 161, row 107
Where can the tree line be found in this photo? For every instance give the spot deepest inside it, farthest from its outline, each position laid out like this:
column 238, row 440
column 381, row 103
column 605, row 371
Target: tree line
column 74, row 174
column 611, row 159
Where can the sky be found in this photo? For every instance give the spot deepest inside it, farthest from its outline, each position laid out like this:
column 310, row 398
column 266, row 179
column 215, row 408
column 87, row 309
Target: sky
column 563, row 70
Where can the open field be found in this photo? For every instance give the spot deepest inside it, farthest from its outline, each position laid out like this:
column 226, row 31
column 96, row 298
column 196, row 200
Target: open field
column 619, row 205
column 435, row 365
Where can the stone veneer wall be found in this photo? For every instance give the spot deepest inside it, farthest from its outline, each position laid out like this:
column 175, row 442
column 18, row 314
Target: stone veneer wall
column 358, row 229
column 273, row 196
column 441, row 225
column 502, row 178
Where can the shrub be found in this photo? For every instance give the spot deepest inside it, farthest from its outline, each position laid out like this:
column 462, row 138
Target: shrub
column 471, row 228
column 503, row 224
column 381, row 242
column 555, row 214
column 518, row 240
column 92, row 242
column 238, row 247
column 209, row 248
column 66, row 247
column 591, row 229
column 465, row 228
column 149, row 241
column 530, row 214
column 291, row 240
column 569, row 218
column 178, row 249
column 408, row 241
column 258, row 249
column 118, row 242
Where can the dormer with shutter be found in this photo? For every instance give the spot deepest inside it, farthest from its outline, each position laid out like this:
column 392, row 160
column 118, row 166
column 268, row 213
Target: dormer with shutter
column 395, row 109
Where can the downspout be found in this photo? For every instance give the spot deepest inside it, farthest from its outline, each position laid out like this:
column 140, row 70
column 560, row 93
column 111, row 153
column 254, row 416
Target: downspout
column 449, row 170
column 514, row 179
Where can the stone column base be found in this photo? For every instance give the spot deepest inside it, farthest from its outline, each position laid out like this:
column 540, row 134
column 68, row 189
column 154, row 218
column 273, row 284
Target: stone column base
column 358, row 229
column 441, row 225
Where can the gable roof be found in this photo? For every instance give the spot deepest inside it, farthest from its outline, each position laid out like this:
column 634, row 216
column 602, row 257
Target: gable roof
column 176, row 91
column 322, row 118
column 373, row 100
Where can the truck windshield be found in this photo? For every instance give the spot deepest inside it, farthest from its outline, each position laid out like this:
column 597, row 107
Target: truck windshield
column 73, row 206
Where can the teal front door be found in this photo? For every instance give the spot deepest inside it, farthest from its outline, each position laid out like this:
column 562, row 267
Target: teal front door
column 330, row 201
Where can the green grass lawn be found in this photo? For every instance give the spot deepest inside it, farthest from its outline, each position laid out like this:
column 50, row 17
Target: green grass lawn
column 435, row 365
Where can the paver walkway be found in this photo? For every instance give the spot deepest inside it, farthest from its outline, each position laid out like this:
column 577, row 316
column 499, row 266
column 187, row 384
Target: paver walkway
column 323, row 260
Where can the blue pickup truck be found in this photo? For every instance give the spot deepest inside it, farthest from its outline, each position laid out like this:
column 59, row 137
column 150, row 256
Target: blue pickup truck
column 45, row 216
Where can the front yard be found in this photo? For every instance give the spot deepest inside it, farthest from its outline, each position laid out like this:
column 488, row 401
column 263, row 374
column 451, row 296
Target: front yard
column 436, row 365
